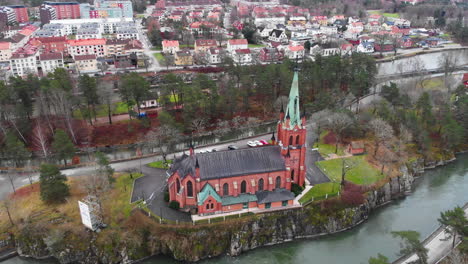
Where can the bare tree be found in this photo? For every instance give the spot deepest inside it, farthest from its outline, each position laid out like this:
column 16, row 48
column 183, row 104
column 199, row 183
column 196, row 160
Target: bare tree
column 40, row 139
column 338, row 123
column 382, row 132
column 404, row 137
column 169, row 60
column 448, row 63
column 106, row 92
column 7, row 204
column 417, row 65
column 385, row 157
column 10, row 177
column 381, row 40
column 201, row 58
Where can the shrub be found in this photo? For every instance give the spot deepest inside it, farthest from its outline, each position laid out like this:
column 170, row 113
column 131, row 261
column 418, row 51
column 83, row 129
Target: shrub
column 166, row 196
column 174, row 205
column 296, row 189
column 352, row 198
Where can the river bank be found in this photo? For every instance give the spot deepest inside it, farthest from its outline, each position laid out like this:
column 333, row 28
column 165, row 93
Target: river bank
column 193, row 244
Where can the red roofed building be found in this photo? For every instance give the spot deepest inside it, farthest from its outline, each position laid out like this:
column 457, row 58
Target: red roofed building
column 270, row 55
column 86, row 63
column 295, row 52
column 21, row 13
column 235, row 44
column 53, row 44
column 170, row 46
column 242, row 56
column 87, row 47
column 199, row 27
column 205, row 44
column 49, row 62
column 356, row 148
column 5, row 51
column 24, row 61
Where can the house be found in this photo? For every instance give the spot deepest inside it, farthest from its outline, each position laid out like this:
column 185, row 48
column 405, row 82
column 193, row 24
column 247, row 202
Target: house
column 372, row 26
column 242, row 56
column 134, row 46
column 170, row 46
column 199, row 27
column 356, row 148
column 295, row 52
column 5, row 51
column 434, row 42
column 356, row 27
column 214, row 55
column 87, row 47
column 270, row 55
column 115, row 47
column 384, row 47
column 86, row 63
column 202, row 45
column 375, row 18
column 329, row 30
column 365, row 47
column 346, row 49
column 49, row 62
column 277, row 35
column 183, row 58
column 53, row 44
column 235, row 44
column 24, row 61
column 248, row 178
column 465, row 80
column 406, row 42
column 264, row 32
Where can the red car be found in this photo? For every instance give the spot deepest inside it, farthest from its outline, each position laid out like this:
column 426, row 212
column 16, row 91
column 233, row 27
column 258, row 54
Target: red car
column 264, row 142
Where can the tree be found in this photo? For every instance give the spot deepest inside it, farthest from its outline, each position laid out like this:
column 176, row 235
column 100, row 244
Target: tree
column 40, row 139
column 362, row 74
column 88, row 87
column 411, row 244
column 380, row 259
column 134, row 89
column 52, row 184
column 14, row 149
column 452, row 133
column 62, row 146
column 104, row 167
column 169, row 60
column 448, row 62
column 455, row 222
column 338, row 123
column 391, row 93
column 424, row 107
column 382, row 132
column 105, row 92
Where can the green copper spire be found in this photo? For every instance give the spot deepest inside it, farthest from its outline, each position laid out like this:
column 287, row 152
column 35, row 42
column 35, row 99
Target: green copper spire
column 292, row 110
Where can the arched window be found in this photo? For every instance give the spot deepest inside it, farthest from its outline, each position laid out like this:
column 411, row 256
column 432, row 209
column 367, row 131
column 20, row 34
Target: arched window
column 189, row 189
column 290, row 140
column 292, row 175
column 226, row 189
column 177, row 185
column 243, row 187
column 207, row 206
column 278, row 182
column 260, row 185
column 212, row 206
column 297, row 140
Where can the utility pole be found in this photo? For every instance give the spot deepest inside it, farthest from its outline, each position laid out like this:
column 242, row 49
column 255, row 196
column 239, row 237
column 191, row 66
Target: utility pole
column 344, row 169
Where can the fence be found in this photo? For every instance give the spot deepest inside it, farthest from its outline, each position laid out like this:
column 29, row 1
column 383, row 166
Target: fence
column 319, row 198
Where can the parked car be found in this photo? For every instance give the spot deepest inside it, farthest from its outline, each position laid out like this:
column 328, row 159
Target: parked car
column 252, row 144
column 202, row 151
column 213, row 150
column 264, row 142
column 232, row 147
column 258, row 143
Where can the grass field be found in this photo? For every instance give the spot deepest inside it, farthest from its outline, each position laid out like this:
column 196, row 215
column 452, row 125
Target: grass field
column 159, row 164
column 362, row 172
column 320, row 190
column 185, row 46
column 394, row 15
column 256, row 45
column 159, row 57
column 326, row 149
column 101, row 110
column 436, row 83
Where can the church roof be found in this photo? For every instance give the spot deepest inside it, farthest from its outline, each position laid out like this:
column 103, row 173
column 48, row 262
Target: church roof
column 241, row 198
column 206, row 192
column 292, row 109
column 276, row 195
column 230, row 163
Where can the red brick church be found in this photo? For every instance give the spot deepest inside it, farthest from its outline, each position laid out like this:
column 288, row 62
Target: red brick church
column 232, row 180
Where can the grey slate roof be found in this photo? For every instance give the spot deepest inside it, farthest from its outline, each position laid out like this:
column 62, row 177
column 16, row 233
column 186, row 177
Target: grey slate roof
column 276, row 195
column 242, row 198
column 231, row 163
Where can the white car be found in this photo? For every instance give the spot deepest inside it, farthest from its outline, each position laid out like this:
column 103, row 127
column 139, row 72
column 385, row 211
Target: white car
column 258, row 143
column 252, row 144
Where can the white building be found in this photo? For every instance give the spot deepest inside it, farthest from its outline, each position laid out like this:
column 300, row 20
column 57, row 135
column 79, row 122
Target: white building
column 86, row 63
column 127, row 33
column 24, row 61
column 106, row 25
column 269, row 21
column 265, row 32
column 237, row 44
column 87, row 47
column 5, row 51
column 329, row 30
column 278, row 35
column 365, row 47
column 170, row 46
column 213, row 55
column 242, row 56
column 48, row 62
column 295, row 52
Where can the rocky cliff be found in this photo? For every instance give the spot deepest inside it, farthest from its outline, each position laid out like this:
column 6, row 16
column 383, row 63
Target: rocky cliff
column 193, row 243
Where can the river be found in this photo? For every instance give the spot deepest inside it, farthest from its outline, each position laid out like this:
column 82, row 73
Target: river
column 436, row 190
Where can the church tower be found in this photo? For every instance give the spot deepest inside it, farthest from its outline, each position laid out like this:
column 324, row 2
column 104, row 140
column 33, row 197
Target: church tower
column 291, row 135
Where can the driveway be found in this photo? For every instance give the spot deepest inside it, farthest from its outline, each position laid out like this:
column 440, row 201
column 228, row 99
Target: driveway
column 151, row 189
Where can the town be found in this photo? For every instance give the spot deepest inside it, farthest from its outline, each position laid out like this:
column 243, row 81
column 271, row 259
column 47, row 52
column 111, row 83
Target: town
column 135, row 130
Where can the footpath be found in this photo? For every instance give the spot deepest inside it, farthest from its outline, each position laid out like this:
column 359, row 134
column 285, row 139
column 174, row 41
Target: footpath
column 439, row 245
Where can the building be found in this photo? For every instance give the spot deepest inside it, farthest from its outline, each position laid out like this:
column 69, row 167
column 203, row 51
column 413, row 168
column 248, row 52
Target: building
column 59, row 10
column 295, row 52
column 270, row 55
column 199, row 27
column 235, row 44
column 53, row 44
column 86, row 63
column 277, row 35
column 87, row 47
column 7, row 15
column 127, row 33
column 10, row 31
column 48, row 62
column 365, row 47
column 88, row 33
column 202, row 45
column 183, row 58
column 170, row 46
column 242, row 56
column 248, row 178
column 5, row 51
column 24, row 61
column 465, row 80
column 105, row 8
column 214, row 56
column 356, row 148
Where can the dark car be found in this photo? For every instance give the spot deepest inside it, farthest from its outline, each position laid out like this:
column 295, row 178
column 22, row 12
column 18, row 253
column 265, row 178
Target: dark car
column 232, row 147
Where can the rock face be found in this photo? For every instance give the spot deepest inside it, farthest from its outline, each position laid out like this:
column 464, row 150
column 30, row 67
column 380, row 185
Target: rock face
column 196, row 243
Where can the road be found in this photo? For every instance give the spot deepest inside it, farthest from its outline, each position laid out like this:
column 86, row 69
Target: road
column 439, row 245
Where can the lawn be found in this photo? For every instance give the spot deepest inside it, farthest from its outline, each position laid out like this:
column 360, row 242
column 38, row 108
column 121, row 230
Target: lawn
column 159, row 57
column 159, row 164
column 319, row 191
column 326, row 149
column 362, row 172
column 185, row 46
column 256, row 45
column 394, row 15
column 101, row 110
column 436, row 83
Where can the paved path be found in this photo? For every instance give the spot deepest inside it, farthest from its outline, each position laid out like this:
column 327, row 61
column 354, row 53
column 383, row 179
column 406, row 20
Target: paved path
column 438, row 243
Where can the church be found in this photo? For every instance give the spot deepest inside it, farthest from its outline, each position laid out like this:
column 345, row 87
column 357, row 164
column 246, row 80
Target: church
column 254, row 178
